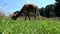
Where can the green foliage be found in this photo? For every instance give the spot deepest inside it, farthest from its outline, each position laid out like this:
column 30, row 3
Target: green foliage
column 50, row 10
column 57, row 8
column 19, row 26
column 42, row 11
column 58, row 1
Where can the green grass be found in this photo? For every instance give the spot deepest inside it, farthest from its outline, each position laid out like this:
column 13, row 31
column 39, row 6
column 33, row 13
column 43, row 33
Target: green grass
column 19, row 26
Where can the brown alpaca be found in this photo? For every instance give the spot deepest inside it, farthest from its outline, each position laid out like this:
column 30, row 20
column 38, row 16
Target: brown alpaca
column 27, row 8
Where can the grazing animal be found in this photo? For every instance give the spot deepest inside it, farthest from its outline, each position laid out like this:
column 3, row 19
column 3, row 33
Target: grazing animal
column 27, row 8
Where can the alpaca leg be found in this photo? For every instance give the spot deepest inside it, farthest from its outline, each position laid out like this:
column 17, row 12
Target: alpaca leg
column 34, row 15
column 29, row 16
column 25, row 16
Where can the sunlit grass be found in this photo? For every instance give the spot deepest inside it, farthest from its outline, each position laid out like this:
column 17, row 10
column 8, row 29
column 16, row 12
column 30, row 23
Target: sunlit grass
column 19, row 26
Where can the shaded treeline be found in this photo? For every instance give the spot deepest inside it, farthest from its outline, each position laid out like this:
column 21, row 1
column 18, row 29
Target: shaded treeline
column 57, row 8
column 52, row 10
column 48, row 11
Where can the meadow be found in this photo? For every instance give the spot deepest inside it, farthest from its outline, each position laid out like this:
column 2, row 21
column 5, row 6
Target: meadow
column 39, row 26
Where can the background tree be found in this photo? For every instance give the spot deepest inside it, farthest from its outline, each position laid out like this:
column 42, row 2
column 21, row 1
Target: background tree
column 58, row 1
column 50, row 10
column 42, row 11
column 57, row 8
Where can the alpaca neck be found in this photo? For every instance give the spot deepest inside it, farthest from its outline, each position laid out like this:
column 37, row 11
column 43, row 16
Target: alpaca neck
column 19, row 14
